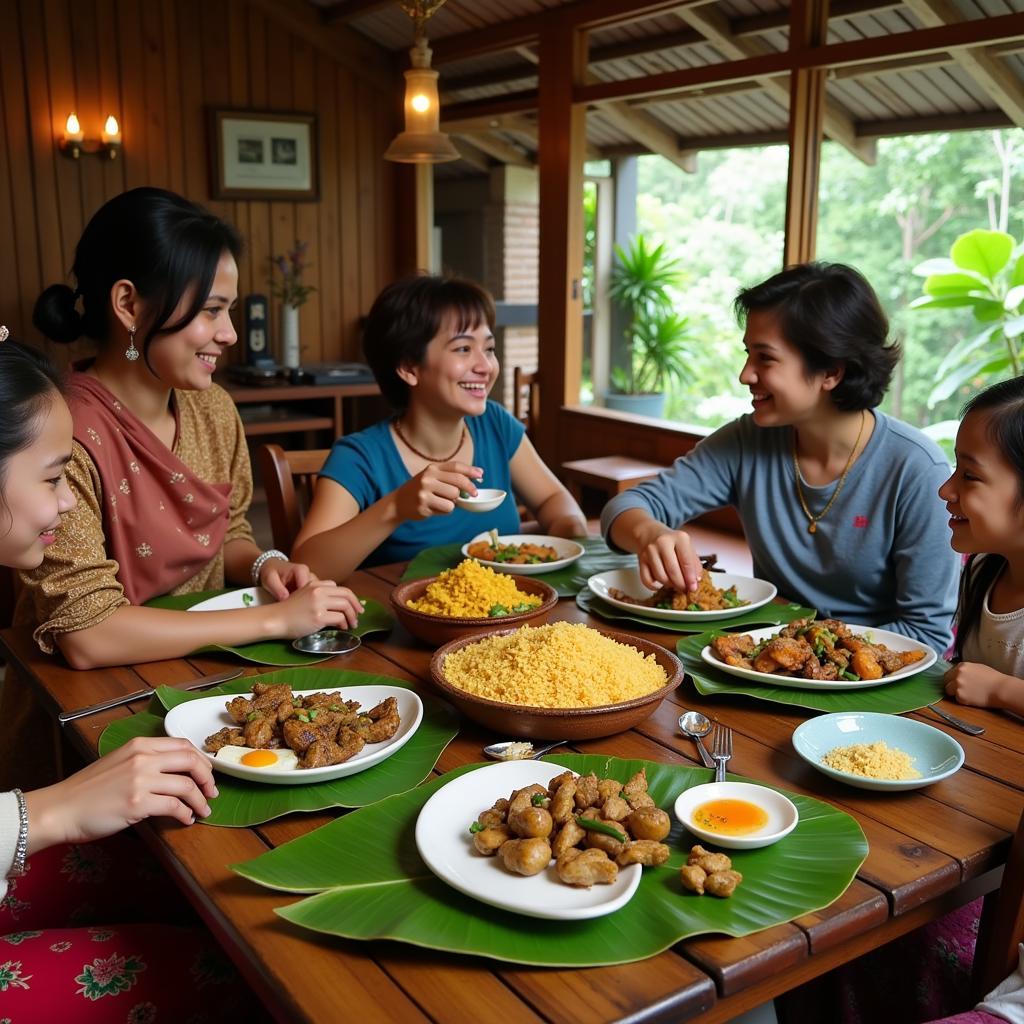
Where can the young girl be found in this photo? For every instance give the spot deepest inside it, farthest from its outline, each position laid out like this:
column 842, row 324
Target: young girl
column 836, row 498
column 47, row 880
column 389, row 491
column 159, row 465
column 985, row 501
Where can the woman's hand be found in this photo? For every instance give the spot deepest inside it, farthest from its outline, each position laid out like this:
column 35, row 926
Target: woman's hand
column 318, row 604
column 432, row 491
column 282, row 578
column 147, row 777
column 970, row 682
column 668, row 559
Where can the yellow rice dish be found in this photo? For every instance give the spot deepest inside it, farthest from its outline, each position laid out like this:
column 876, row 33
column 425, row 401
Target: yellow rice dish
column 562, row 665
column 873, row 760
column 472, row 591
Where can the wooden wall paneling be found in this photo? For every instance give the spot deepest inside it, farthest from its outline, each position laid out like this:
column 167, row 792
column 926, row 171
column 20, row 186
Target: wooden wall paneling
column 238, row 73
column 213, row 28
column 369, row 165
column 307, row 219
column 24, row 241
column 130, row 56
column 327, row 211
column 385, row 206
column 259, row 210
column 193, row 120
column 110, row 99
column 154, row 133
column 349, row 201
column 85, row 40
column 9, row 283
column 173, row 42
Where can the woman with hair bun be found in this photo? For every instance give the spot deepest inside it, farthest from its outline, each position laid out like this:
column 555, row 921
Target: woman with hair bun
column 159, row 466
column 837, row 499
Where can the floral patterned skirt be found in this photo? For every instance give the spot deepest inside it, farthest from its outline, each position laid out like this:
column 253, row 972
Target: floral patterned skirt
column 61, row 961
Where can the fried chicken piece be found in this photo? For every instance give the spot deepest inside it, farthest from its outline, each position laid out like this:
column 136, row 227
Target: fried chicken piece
column 586, row 791
column 783, row 655
column 298, row 734
column 563, row 802
column 643, row 851
column 722, row 883
column 893, row 661
column 734, row 650
column 526, row 856
column 814, row 669
column 379, row 723
column 649, row 823
column 239, row 708
column 603, row 841
column 489, row 840
column 531, row 822
column 607, row 788
column 615, row 809
column 586, row 868
column 323, row 752
column 226, row 737
column 693, row 878
column 496, row 814
column 710, row 862
column 560, row 780
column 259, row 732
column 568, row 837
column 523, row 798
column 636, row 785
column 638, row 800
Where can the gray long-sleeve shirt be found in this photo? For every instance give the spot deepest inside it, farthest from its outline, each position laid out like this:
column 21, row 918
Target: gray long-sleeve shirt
column 881, row 555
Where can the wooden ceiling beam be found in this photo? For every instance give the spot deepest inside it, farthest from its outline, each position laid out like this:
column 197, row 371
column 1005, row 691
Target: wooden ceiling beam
column 999, row 84
column 979, row 120
column 655, row 137
column 472, row 154
column 347, row 10
column 502, row 151
column 756, row 24
column 714, row 26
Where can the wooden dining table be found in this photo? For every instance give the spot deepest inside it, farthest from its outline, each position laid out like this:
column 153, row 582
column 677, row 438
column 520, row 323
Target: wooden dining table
column 931, row 850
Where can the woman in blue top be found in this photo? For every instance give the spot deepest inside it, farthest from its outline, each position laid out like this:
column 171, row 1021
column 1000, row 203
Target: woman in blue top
column 389, row 491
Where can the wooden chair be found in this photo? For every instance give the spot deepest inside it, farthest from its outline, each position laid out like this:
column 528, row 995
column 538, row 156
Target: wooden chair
column 289, row 479
column 526, row 397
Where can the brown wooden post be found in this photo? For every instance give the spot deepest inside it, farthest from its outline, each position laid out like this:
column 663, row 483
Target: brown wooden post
column 808, row 27
column 562, row 135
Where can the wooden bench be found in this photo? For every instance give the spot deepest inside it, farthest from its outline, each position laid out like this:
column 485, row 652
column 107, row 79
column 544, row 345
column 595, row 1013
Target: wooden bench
column 609, row 474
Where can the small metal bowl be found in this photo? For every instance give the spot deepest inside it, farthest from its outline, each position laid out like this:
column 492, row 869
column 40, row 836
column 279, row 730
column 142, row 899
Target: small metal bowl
column 327, row 641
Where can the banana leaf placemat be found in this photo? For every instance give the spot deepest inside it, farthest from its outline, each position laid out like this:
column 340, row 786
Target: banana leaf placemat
column 278, row 653
column 370, row 882
column 597, row 557
column 767, row 615
column 243, row 803
column 889, row 698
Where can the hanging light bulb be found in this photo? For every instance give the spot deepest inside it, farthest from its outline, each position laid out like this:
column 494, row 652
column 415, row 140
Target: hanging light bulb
column 422, row 142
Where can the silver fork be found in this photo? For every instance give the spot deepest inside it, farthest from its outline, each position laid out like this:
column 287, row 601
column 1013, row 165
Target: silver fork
column 721, row 749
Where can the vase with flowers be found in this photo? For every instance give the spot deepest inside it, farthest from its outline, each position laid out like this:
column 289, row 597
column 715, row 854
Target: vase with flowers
column 292, row 293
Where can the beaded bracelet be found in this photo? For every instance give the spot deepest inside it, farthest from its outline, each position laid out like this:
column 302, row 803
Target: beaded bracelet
column 21, row 847
column 262, row 560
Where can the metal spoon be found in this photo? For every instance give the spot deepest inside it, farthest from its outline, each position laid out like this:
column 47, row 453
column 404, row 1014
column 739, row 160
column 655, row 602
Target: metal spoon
column 496, row 750
column 696, row 725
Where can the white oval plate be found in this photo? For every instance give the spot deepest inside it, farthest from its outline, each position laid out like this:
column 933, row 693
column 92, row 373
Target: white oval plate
column 444, row 843
column 781, row 811
column 247, row 597
column 894, row 641
column 194, row 720
column 568, row 552
column 487, row 500
column 936, row 755
column 756, row 592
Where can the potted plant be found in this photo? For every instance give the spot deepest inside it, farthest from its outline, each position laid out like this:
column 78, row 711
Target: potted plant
column 656, row 336
column 292, row 293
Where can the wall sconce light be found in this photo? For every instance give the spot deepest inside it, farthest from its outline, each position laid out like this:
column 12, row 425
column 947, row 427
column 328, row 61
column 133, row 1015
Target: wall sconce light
column 73, row 143
column 422, row 142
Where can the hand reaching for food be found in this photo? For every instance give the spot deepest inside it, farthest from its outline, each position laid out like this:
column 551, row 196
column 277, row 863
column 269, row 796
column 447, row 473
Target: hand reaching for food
column 320, row 603
column 281, row 578
column 669, row 560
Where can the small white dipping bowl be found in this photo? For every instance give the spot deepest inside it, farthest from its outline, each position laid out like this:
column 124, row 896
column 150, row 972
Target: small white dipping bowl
column 487, row 500
column 781, row 811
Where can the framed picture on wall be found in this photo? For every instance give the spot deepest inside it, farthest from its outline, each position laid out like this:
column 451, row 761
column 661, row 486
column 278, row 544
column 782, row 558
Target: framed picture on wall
column 261, row 154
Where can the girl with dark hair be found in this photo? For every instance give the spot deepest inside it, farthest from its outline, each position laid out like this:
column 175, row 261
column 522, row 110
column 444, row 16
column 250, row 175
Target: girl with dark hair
column 159, row 465
column 836, row 498
column 389, row 491
column 985, row 500
column 46, row 876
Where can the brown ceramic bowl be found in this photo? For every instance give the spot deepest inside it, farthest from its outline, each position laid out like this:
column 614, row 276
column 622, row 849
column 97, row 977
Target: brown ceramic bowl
column 438, row 629
column 514, row 720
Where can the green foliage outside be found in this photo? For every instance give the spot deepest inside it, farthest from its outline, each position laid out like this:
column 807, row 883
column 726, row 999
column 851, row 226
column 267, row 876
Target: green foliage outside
column 725, row 226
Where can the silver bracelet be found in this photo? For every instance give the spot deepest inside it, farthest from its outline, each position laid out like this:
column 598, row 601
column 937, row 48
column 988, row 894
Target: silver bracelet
column 261, row 560
column 21, row 847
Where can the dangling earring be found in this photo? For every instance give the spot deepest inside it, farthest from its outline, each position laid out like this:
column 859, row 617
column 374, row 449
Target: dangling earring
column 131, row 353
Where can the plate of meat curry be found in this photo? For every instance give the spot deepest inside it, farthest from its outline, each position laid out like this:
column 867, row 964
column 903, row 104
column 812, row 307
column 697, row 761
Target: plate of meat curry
column 718, row 595
column 522, row 554
column 819, row 655
column 289, row 737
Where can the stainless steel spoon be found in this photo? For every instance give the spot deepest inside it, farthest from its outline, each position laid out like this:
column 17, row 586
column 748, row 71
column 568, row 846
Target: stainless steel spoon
column 497, row 750
column 696, row 725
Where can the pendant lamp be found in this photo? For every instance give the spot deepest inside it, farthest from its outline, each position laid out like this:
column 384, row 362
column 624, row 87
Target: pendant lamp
column 422, row 142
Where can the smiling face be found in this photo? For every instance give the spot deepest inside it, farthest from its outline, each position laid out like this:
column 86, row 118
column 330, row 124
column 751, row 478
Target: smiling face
column 782, row 392
column 187, row 358
column 983, row 496
column 457, row 372
column 34, row 489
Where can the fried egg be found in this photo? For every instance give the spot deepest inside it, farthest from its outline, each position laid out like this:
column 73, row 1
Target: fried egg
column 282, row 760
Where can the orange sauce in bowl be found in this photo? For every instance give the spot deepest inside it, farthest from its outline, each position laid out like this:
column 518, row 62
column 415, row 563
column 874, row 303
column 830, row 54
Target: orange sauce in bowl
column 730, row 817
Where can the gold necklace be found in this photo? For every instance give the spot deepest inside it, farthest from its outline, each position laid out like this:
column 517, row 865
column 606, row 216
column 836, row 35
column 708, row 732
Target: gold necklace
column 423, row 455
column 814, row 520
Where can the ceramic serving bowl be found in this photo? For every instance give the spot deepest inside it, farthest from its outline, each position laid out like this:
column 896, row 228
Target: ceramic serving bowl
column 780, row 810
column 557, row 723
column 437, row 629
column 486, row 499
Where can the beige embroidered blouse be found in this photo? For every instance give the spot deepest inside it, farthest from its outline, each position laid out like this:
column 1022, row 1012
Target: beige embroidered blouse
column 76, row 586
